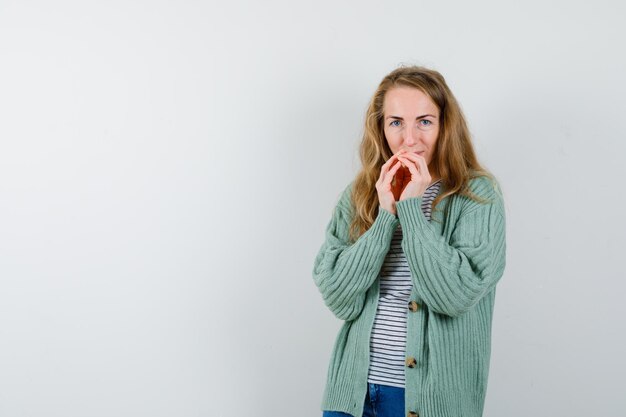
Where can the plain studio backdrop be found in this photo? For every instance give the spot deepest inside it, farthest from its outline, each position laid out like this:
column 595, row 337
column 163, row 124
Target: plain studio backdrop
column 167, row 171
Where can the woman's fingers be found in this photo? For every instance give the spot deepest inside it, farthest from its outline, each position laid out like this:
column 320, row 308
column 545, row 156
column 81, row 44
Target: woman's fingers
column 410, row 164
column 418, row 161
column 420, row 177
column 392, row 172
column 414, row 156
column 387, row 176
column 386, row 196
column 385, row 169
column 391, row 160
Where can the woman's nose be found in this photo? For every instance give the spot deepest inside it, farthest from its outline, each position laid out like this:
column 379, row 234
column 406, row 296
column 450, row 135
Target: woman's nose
column 410, row 137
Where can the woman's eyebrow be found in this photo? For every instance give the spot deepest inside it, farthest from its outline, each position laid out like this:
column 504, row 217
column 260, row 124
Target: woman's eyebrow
column 418, row 117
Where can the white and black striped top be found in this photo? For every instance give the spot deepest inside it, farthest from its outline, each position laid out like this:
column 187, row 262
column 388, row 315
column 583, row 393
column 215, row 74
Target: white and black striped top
column 388, row 337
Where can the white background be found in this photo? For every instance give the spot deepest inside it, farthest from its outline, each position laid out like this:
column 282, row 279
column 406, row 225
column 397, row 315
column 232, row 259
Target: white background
column 168, row 168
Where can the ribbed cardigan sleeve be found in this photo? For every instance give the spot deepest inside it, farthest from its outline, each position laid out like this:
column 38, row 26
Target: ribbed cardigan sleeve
column 343, row 272
column 452, row 276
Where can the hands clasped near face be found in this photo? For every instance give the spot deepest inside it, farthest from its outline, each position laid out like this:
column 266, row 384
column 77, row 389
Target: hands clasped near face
column 420, row 178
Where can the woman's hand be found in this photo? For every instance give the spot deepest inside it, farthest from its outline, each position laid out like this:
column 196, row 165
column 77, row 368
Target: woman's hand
column 420, row 177
column 383, row 185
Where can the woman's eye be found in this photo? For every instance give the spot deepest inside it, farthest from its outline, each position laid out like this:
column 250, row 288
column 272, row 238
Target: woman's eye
column 394, row 121
column 425, row 122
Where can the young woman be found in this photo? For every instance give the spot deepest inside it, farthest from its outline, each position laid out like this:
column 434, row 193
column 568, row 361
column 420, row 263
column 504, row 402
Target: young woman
column 412, row 268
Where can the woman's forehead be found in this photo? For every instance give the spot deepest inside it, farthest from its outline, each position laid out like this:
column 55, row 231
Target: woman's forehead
column 408, row 100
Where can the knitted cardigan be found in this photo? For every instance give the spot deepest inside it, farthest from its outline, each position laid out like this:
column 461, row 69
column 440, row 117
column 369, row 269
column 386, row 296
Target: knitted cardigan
column 456, row 260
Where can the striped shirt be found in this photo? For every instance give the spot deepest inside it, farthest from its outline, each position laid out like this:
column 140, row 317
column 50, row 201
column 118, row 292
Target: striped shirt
column 388, row 337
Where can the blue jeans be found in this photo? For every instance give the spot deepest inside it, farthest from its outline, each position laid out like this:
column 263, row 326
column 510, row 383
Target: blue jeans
column 380, row 401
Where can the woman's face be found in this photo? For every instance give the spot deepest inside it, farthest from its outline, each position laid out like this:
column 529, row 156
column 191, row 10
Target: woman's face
column 411, row 121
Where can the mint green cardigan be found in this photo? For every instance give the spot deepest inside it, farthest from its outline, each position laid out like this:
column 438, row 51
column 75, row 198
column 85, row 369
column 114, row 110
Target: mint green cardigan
column 456, row 260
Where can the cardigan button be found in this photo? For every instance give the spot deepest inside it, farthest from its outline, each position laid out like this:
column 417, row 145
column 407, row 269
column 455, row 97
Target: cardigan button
column 411, row 362
column 412, row 414
column 413, row 306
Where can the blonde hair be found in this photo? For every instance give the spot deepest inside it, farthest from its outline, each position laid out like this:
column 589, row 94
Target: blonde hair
column 454, row 159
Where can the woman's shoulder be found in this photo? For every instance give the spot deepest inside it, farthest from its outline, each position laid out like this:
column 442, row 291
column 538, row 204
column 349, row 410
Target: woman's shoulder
column 345, row 198
column 485, row 186
column 488, row 191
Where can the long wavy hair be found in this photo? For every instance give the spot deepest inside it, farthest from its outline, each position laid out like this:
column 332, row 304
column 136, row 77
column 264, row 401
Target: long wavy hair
column 454, row 159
